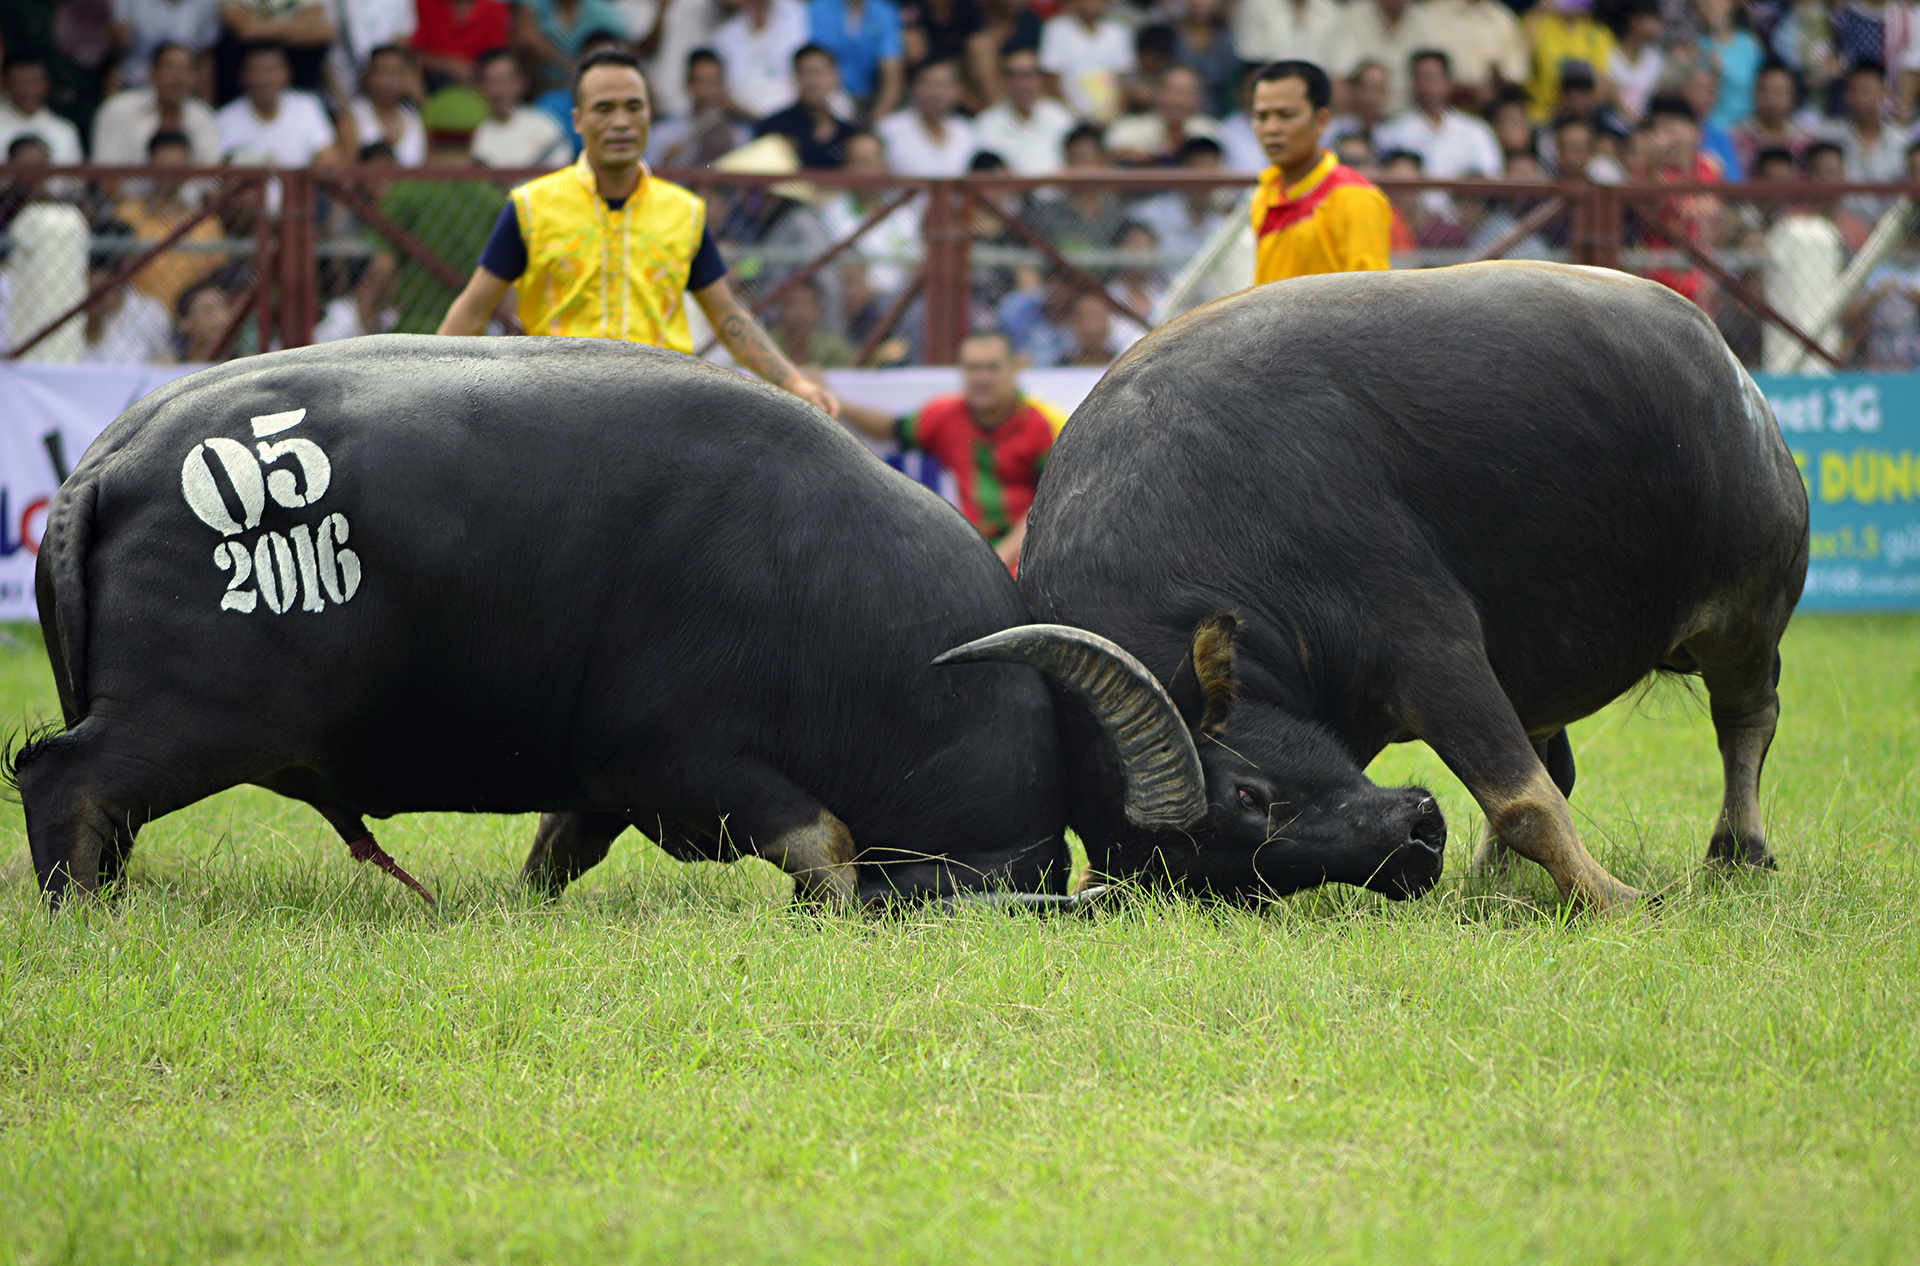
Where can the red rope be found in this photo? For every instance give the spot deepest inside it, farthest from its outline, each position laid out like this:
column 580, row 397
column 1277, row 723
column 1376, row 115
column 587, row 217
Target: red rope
column 366, row 849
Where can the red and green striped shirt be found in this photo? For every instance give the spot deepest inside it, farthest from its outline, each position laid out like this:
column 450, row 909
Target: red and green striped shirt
column 997, row 470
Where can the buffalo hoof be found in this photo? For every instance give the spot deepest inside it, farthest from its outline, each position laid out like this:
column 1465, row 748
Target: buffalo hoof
column 1752, row 852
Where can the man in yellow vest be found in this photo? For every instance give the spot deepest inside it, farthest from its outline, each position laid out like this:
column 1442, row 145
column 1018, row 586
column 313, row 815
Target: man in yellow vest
column 1312, row 213
column 606, row 249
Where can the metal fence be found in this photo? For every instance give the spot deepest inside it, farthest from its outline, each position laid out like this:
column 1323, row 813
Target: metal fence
column 200, row 264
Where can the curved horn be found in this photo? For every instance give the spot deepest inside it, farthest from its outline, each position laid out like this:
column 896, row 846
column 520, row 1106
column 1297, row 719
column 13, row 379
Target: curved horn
column 1165, row 786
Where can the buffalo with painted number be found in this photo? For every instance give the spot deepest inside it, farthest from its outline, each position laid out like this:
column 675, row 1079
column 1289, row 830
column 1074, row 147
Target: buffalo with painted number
column 1467, row 506
column 608, row 582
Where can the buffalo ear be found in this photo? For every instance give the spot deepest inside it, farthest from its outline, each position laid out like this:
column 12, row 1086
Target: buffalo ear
column 1211, row 662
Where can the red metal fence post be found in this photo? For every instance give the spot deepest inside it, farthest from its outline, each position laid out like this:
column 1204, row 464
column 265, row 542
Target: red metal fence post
column 948, row 289
column 299, row 261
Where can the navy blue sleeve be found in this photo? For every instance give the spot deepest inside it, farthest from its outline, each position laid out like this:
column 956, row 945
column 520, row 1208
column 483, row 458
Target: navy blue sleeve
column 707, row 268
column 506, row 255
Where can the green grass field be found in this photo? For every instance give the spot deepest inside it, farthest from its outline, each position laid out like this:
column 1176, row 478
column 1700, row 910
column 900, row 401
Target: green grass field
column 264, row 1052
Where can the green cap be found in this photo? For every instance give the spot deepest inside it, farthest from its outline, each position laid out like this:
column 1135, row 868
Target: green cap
column 457, row 109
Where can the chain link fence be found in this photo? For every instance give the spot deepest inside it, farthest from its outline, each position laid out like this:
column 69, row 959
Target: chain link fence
column 132, row 265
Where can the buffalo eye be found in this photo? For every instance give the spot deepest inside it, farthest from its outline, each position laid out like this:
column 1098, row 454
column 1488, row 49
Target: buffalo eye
column 1248, row 801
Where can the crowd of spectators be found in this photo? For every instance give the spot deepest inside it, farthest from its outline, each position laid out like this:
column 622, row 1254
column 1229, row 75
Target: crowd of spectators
column 1607, row 91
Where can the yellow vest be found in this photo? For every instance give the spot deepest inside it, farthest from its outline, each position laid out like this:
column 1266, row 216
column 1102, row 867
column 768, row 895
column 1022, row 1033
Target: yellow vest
column 593, row 272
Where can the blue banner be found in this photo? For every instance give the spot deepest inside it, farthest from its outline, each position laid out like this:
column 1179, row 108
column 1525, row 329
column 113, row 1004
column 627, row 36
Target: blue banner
column 1855, row 438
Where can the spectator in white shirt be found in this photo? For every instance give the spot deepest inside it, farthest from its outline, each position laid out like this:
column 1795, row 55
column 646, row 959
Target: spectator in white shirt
column 126, row 121
column 1451, row 144
column 1389, row 32
column 1483, row 40
column 24, row 112
column 142, row 27
column 1638, row 63
column 685, row 27
column 271, row 121
column 384, row 113
column 1367, row 106
column 757, row 44
column 515, row 134
column 928, row 138
column 1184, row 221
column 1087, row 52
column 709, row 129
column 1027, row 128
column 1141, row 140
column 1293, row 30
column 124, row 325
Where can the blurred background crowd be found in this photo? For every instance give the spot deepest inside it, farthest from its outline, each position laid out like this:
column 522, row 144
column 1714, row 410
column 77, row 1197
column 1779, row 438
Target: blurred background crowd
column 1792, row 101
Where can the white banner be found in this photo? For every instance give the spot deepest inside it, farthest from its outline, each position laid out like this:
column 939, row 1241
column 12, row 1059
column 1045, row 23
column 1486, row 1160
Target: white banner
column 49, row 414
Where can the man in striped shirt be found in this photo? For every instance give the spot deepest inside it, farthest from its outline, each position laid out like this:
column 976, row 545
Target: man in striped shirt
column 992, row 437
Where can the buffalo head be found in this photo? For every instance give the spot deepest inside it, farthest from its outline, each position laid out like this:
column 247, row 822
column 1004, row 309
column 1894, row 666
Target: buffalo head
column 1227, row 795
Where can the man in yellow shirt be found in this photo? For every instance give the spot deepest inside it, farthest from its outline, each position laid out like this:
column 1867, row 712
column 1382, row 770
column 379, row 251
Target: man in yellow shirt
column 1312, row 213
column 606, row 249
column 1562, row 32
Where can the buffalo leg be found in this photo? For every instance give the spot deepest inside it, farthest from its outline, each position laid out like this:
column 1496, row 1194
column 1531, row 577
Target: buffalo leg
column 770, row 817
column 1494, row 858
column 1460, row 711
column 567, row 845
column 1741, row 686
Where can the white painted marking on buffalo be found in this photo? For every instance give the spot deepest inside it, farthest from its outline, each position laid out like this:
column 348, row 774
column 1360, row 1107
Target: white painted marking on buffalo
column 266, row 424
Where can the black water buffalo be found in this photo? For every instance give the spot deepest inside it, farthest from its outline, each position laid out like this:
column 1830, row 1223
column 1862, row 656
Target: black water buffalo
column 1467, row 506
column 507, row 575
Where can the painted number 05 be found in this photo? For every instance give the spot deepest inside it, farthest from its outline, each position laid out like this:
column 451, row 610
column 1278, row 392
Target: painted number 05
column 298, row 566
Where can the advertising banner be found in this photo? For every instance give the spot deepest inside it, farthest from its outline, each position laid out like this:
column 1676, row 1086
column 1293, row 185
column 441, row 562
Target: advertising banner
column 1855, row 438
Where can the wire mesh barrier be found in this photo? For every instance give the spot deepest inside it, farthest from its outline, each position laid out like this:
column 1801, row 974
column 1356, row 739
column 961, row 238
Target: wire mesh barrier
column 138, row 265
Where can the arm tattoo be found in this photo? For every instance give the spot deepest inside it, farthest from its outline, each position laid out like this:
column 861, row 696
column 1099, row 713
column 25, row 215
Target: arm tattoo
column 753, row 349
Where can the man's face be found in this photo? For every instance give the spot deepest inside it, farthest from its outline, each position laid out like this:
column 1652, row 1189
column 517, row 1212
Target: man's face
column 1576, row 148
column 988, row 376
column 1864, row 91
column 168, row 156
column 502, row 84
column 866, row 156
column 1091, row 323
column 1675, row 139
column 173, row 76
column 936, row 91
column 1370, row 93
column 818, row 80
column 1023, row 78
column 1512, row 128
column 265, row 76
column 27, row 87
column 1782, row 170
column 1827, row 167
column 613, row 116
column 386, row 79
column 1089, row 10
column 1285, row 121
column 1432, row 85
column 1702, row 91
column 1085, row 154
column 205, row 316
column 707, row 85
column 1773, row 97
column 1179, row 99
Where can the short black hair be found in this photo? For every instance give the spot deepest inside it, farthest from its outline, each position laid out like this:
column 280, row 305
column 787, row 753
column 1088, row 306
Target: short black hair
column 163, row 48
column 1319, row 87
column 993, row 332
column 1083, row 132
column 1866, row 67
column 1668, row 107
column 1196, row 146
column 493, row 55
column 810, row 49
column 1393, row 156
column 1822, row 147
column 373, row 150
column 986, row 160
column 258, row 47
column 704, row 54
column 23, row 140
column 913, row 76
column 1430, row 54
column 1155, row 39
column 1776, row 154
column 605, row 57
column 169, row 136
